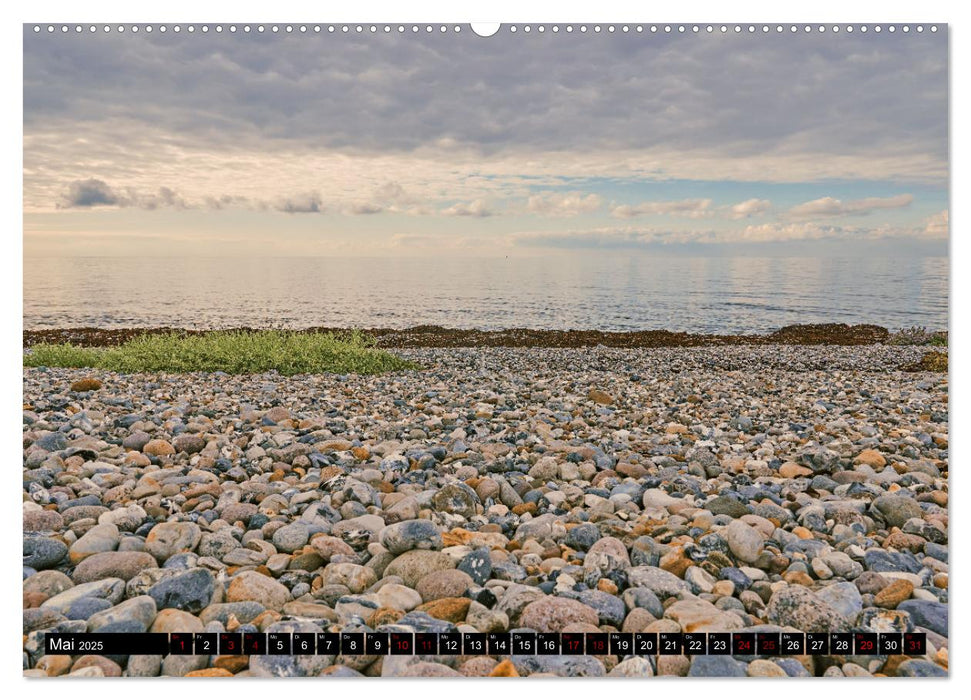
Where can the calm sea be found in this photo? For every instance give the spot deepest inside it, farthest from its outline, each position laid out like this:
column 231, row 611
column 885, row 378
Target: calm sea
column 738, row 295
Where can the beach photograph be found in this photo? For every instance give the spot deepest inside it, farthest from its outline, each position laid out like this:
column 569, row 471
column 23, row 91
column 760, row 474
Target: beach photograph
column 398, row 350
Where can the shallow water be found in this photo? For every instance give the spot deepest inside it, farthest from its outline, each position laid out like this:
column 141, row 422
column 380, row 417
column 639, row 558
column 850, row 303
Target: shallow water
column 712, row 295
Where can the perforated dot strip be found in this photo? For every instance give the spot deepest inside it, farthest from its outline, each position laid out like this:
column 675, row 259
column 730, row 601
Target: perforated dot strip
column 593, row 29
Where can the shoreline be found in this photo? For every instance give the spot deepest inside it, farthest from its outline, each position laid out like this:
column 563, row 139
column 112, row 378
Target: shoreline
column 428, row 336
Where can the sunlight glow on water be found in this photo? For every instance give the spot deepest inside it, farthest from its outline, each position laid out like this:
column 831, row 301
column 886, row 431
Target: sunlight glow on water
column 738, row 295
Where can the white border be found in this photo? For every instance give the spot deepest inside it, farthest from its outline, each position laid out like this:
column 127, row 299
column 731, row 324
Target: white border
column 832, row 11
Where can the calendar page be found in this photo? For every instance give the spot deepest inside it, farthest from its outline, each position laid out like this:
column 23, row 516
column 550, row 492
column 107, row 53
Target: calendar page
column 461, row 351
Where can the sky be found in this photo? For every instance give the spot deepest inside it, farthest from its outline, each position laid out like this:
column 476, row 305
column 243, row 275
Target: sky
column 513, row 145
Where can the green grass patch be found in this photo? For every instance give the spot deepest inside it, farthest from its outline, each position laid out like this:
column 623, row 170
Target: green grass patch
column 918, row 335
column 234, row 352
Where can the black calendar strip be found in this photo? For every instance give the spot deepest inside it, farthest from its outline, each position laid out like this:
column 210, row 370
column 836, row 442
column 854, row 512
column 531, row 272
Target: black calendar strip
column 493, row 644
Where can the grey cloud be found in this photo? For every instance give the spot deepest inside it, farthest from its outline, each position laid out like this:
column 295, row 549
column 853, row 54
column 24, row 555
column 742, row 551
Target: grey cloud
column 225, row 201
column 306, row 203
column 165, row 197
column 91, row 193
column 736, row 95
column 82, row 194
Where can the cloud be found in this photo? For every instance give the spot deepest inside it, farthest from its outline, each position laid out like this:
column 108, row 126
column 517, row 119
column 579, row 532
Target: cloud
column 85, row 194
column 476, row 208
column 165, row 197
column 803, row 231
column 457, row 114
column 306, row 203
column 389, row 196
column 390, row 192
column 365, row 208
column 938, row 225
column 827, row 207
column 564, row 204
column 689, row 208
column 749, row 208
column 224, row 201
column 770, row 232
column 90, row 193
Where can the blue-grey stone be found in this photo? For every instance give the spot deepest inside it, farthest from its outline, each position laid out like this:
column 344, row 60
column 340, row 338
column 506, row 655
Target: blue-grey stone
column 421, row 621
column 582, row 537
column 89, row 500
column 190, row 590
column 716, row 666
column 936, row 551
column 881, row 560
column 508, row 571
column 646, row 599
column 43, row 552
column 83, row 608
column 477, row 564
column 921, row 668
column 793, row 668
column 844, row 597
column 52, row 442
column 406, row 535
column 927, row 613
column 182, row 560
column 736, row 576
column 564, row 666
column 610, row 608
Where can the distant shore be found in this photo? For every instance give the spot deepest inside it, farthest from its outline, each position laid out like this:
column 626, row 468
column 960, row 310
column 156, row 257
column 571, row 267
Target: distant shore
column 440, row 337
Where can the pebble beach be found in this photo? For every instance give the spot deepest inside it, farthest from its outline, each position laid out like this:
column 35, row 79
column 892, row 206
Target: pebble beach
column 763, row 487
